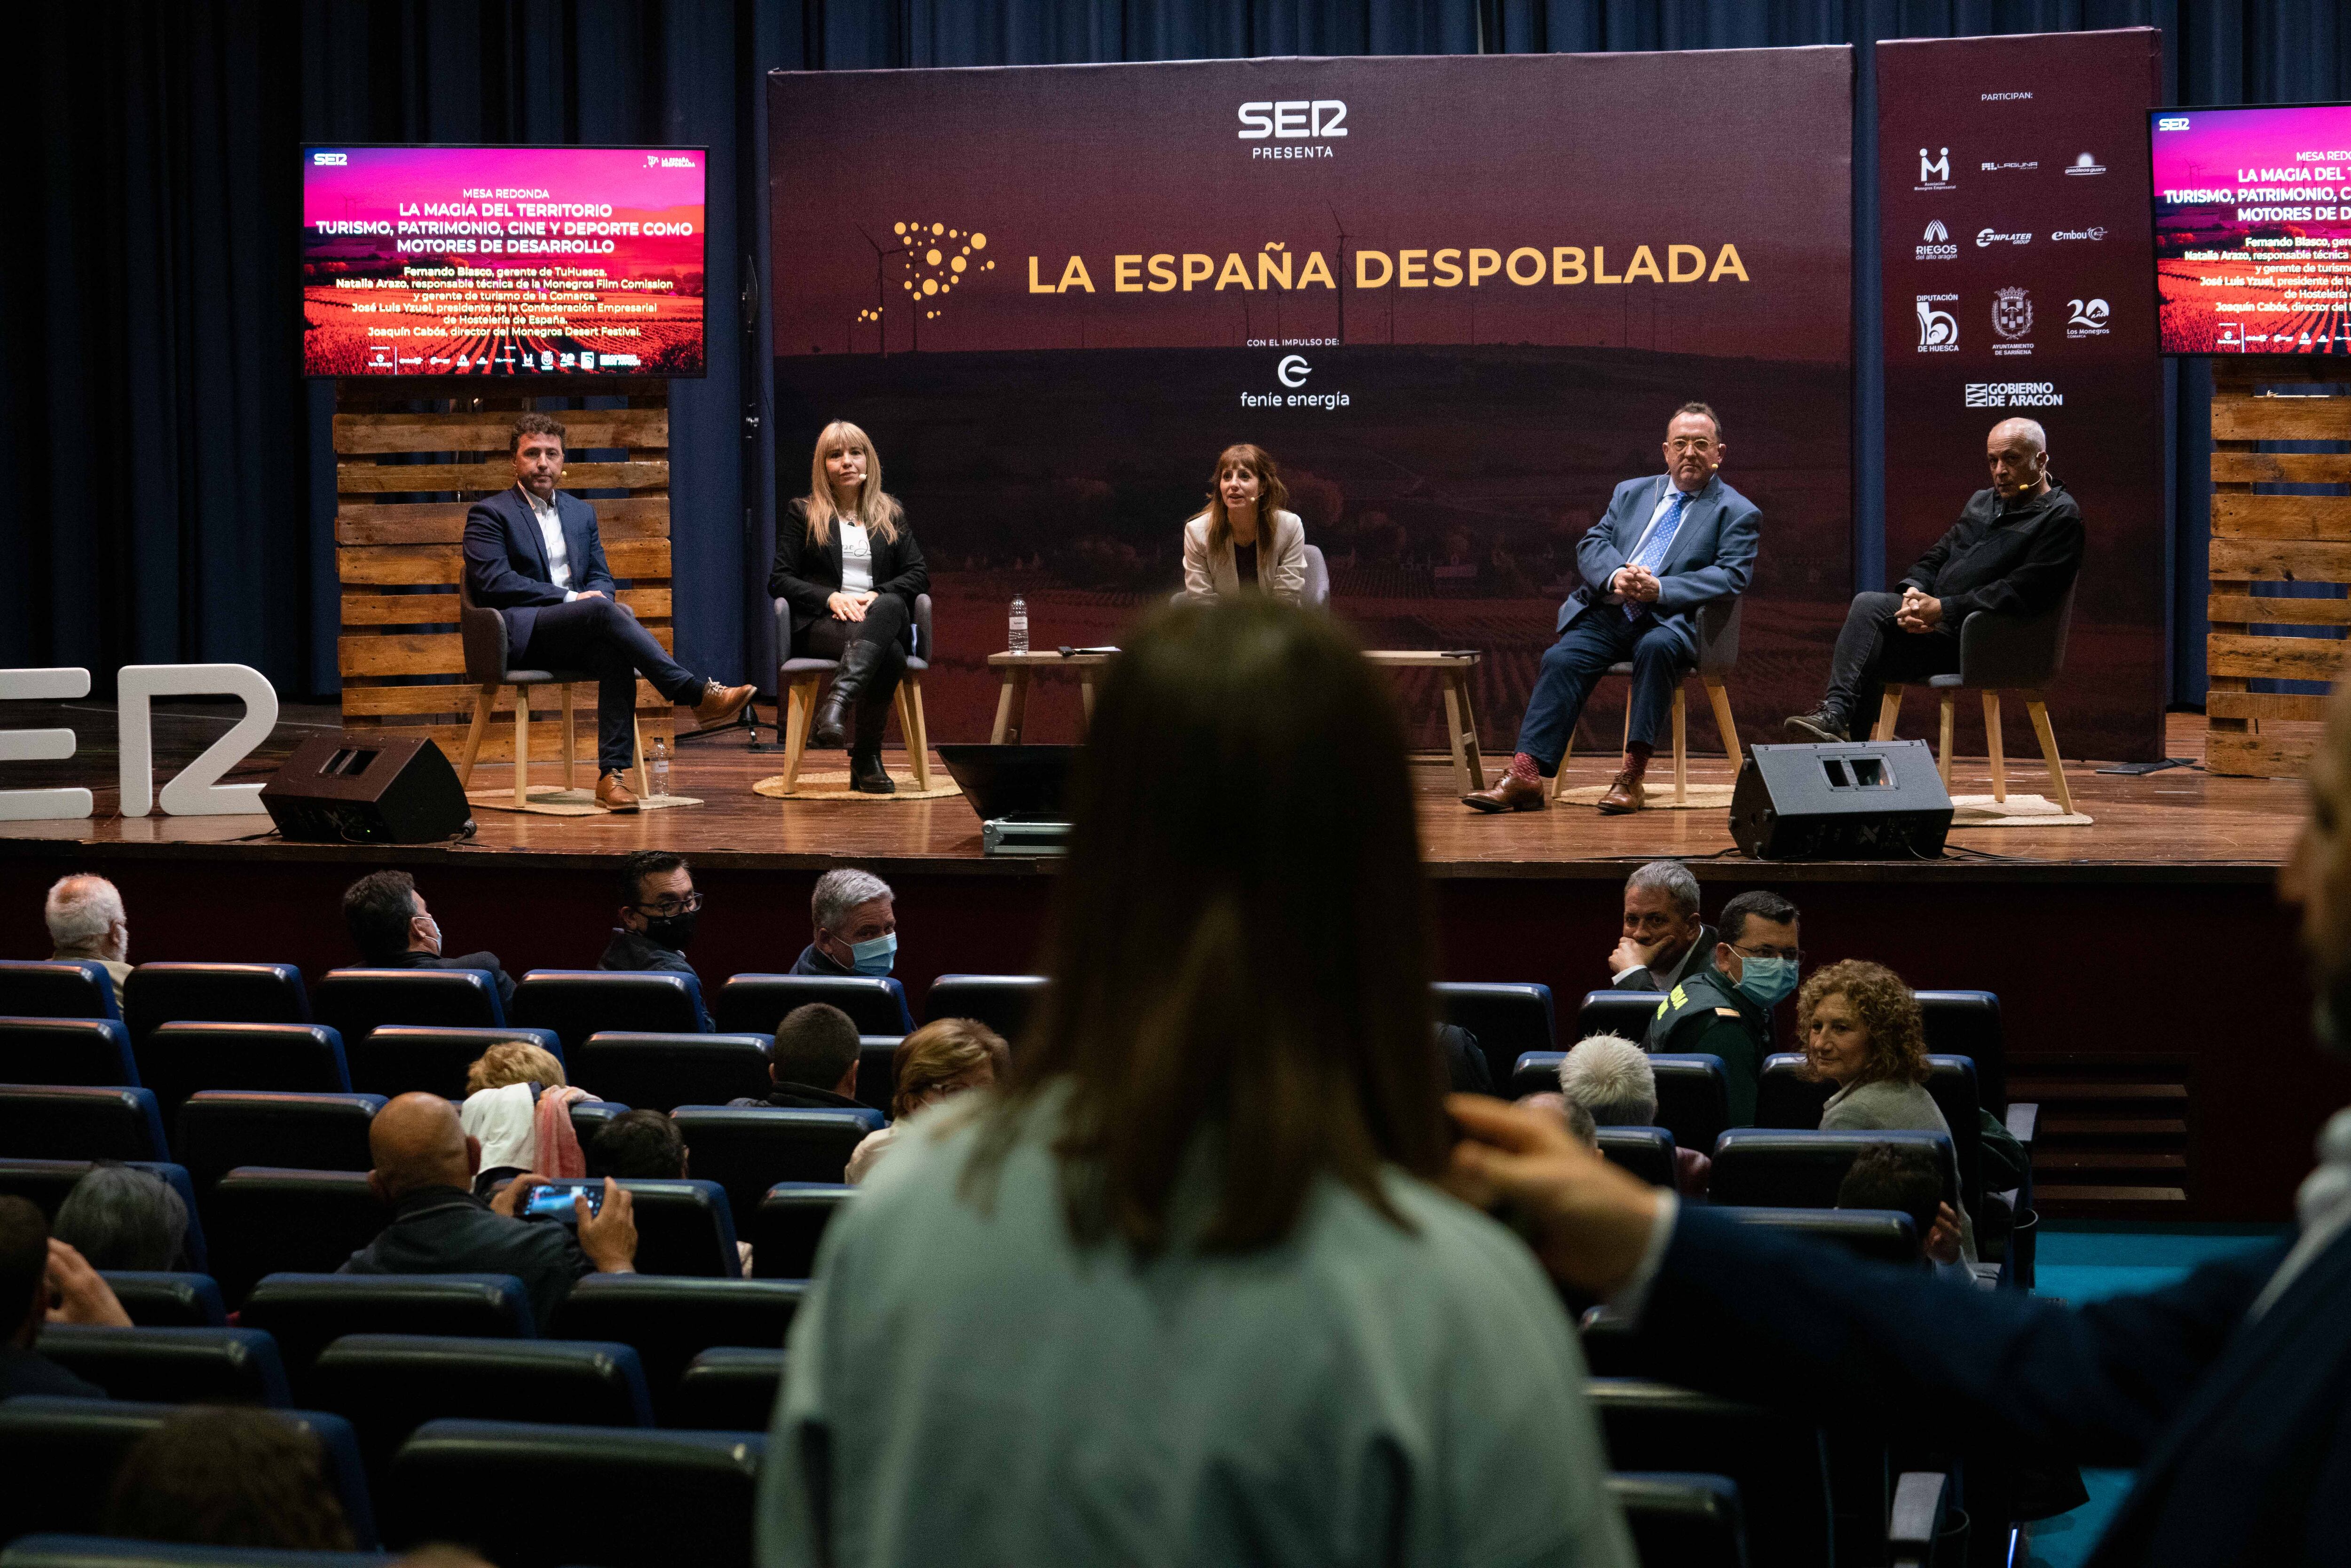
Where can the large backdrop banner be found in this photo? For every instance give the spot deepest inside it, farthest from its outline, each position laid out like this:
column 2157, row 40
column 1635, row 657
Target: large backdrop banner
column 1457, row 298
column 2019, row 273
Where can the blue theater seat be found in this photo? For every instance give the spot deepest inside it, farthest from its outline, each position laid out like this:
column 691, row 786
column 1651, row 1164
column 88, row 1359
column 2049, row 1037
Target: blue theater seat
column 590, row 1118
column 1508, row 1019
column 357, row 1000
column 309, row 1311
column 789, row 1225
column 171, row 1365
column 65, row 1051
column 271, row 1220
column 876, row 1004
column 292, row 1058
column 59, row 1457
column 1767, row 1169
column 1693, row 1097
column 685, row 1228
column 60, row 1122
column 1612, row 1011
column 877, row 1070
column 1785, row 1098
column 402, row 1059
column 212, row 993
column 1646, row 1151
column 577, row 1003
column 672, row 1319
column 1882, row 1235
column 665, row 1070
column 748, row 1150
column 729, row 1388
column 1002, row 1002
column 58, row 988
column 1683, row 1519
column 708, row 1484
column 389, row 1384
column 1968, row 1023
column 160, row 1300
column 1780, row 1462
column 221, row 1129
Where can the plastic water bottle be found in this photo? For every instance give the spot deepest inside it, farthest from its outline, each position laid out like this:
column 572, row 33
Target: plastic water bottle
column 1019, row 624
column 660, row 765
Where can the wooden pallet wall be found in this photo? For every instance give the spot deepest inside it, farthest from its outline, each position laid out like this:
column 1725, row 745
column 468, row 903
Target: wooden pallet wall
column 2261, row 539
column 404, row 479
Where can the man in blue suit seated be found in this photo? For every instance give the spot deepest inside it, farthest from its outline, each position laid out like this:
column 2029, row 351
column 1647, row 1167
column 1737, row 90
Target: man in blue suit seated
column 1670, row 543
column 2226, row 1391
column 533, row 552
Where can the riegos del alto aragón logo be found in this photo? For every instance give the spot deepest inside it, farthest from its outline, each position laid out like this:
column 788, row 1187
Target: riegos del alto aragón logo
column 1934, row 245
column 1310, row 121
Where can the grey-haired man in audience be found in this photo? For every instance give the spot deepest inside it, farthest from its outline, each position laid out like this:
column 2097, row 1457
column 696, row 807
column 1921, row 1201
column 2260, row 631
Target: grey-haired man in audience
column 1663, row 940
column 86, row 923
column 856, row 919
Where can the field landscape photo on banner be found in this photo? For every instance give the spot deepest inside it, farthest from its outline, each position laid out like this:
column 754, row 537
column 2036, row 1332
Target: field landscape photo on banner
column 502, row 261
column 1457, row 298
column 2252, row 229
column 2017, row 274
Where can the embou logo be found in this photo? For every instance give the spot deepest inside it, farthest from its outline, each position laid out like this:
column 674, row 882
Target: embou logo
column 1293, row 119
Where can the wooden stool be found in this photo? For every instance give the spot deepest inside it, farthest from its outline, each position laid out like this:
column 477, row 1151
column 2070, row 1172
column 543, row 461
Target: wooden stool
column 1998, row 653
column 1715, row 695
column 2034, row 707
column 1453, row 670
column 483, row 638
column 1012, row 702
column 796, row 687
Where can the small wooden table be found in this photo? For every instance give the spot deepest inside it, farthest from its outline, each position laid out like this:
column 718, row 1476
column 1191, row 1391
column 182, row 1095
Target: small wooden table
column 1012, row 703
column 1453, row 670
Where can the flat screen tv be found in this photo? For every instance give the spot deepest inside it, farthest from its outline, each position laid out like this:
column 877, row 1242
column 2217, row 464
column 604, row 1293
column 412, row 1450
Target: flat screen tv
column 2252, row 229
column 502, row 261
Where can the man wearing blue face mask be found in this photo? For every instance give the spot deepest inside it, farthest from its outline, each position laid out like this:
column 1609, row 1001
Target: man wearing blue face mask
column 658, row 909
column 856, row 920
column 1726, row 1011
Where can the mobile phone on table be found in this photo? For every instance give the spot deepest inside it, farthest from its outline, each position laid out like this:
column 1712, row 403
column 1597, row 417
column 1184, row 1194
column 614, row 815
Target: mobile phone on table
column 552, row 1200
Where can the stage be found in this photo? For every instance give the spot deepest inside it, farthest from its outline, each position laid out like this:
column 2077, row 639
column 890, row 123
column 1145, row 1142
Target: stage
column 2152, row 996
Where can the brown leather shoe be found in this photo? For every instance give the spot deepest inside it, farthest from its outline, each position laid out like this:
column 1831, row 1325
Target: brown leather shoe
column 1511, row 794
column 1625, row 796
column 720, row 705
column 613, row 795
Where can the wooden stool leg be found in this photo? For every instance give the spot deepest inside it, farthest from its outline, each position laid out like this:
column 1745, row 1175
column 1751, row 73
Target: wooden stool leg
column 571, row 736
column 1719, row 700
column 799, row 718
column 1889, row 710
column 1943, row 757
column 1011, row 708
column 483, row 705
column 522, row 747
column 1453, row 734
column 1469, row 732
column 915, row 730
column 637, row 742
column 2039, row 711
column 1681, row 747
column 1086, row 700
column 1559, row 777
column 1991, row 743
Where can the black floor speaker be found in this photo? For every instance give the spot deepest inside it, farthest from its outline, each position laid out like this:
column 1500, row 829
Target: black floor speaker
column 367, row 787
column 1860, row 799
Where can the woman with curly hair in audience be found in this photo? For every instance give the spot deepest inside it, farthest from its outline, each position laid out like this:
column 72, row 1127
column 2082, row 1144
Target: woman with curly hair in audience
column 518, row 1107
column 944, row 1057
column 1183, row 1289
column 1862, row 1032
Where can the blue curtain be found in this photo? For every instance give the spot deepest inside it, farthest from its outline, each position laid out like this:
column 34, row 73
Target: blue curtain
column 172, row 498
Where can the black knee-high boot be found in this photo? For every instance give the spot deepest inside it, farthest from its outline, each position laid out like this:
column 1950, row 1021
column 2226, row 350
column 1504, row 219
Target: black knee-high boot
column 857, row 665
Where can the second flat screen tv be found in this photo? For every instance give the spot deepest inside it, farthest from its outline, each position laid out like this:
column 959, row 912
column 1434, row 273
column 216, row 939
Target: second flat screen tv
column 502, row 261
column 2252, row 229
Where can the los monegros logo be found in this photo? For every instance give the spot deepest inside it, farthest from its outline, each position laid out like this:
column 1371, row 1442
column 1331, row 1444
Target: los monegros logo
column 1312, row 122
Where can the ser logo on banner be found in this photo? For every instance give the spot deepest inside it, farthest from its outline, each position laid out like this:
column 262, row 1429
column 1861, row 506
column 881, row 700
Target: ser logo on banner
column 1311, row 120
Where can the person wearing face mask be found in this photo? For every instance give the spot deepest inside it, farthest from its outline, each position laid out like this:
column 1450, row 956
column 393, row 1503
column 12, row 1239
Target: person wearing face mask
column 658, row 910
column 1671, row 543
column 856, row 920
column 2015, row 550
column 393, row 930
column 1726, row 1010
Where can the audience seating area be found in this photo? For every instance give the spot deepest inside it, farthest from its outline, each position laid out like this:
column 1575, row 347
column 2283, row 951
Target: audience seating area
column 253, row 1098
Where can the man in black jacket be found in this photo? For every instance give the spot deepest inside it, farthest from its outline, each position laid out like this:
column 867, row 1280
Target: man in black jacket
column 659, row 907
column 389, row 925
column 815, row 1064
column 425, row 1167
column 2015, row 550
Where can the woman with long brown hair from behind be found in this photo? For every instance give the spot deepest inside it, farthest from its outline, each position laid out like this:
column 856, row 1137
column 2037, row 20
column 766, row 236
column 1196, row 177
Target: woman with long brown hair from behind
column 847, row 573
column 1246, row 538
column 1183, row 1289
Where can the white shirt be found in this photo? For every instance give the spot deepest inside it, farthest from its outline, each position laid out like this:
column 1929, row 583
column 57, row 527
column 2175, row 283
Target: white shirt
column 550, row 532
column 856, row 557
column 1657, row 514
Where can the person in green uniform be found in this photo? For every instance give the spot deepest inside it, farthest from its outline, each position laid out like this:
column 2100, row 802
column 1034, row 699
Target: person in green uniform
column 1726, row 1011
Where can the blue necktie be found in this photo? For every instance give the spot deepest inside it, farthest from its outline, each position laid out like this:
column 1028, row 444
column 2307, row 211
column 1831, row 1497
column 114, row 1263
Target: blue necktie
column 1654, row 549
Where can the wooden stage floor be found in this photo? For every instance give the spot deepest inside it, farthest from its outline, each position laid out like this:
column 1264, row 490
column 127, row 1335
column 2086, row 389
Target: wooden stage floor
column 2181, row 823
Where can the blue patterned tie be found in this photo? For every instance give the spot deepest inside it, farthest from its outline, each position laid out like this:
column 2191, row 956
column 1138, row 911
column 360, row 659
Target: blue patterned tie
column 1654, row 549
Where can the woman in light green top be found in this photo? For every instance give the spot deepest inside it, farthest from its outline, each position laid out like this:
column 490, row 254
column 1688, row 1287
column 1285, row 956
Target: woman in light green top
column 1862, row 1032
column 1181, row 1291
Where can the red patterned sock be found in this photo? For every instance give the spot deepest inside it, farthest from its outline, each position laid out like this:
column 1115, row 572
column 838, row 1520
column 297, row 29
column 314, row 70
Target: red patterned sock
column 1524, row 768
column 1637, row 758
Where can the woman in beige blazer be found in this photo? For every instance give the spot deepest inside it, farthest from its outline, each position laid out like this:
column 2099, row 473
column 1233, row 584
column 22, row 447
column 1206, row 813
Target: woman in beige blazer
column 1246, row 534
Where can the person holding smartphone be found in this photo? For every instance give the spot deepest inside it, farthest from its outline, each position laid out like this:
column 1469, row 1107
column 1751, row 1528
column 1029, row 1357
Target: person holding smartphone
column 425, row 1167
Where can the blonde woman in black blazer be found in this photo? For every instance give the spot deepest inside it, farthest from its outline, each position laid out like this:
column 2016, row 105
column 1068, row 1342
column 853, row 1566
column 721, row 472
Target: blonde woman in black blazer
column 849, row 568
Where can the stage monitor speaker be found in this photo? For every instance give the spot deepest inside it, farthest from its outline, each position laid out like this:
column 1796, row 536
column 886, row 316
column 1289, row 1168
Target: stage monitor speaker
column 1862, row 799
column 367, row 786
